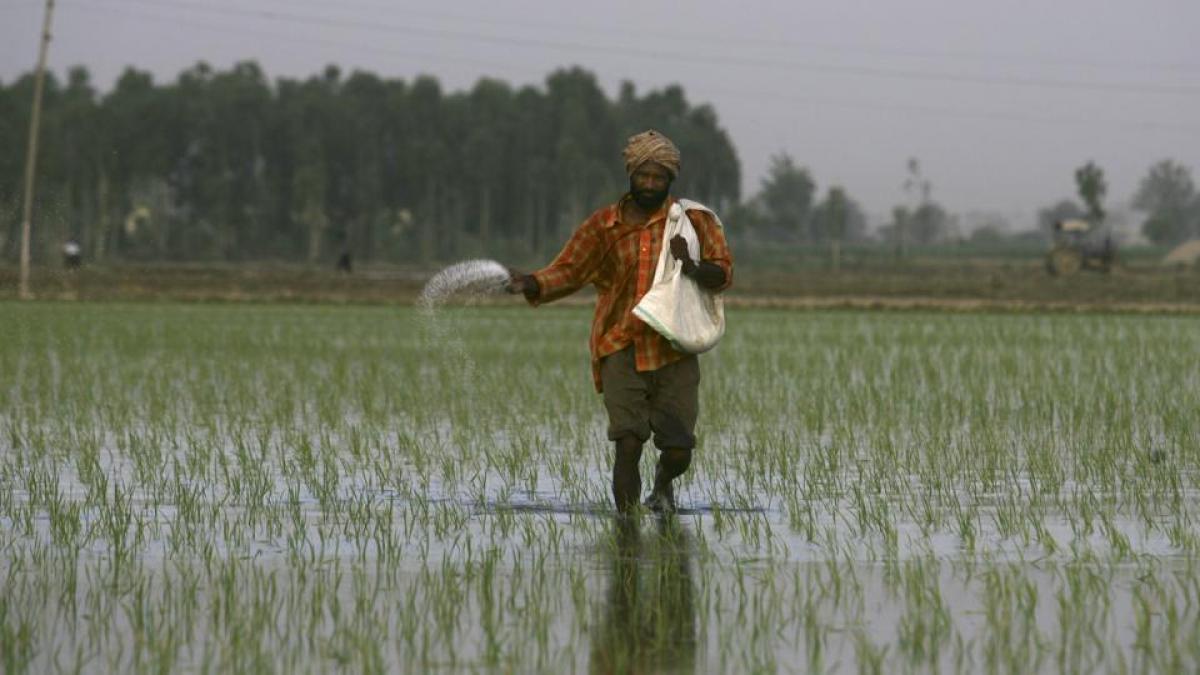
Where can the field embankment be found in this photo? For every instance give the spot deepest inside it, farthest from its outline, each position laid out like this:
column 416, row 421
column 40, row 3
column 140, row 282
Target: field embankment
column 956, row 285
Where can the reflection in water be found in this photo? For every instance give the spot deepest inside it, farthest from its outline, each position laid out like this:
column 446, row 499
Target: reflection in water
column 648, row 622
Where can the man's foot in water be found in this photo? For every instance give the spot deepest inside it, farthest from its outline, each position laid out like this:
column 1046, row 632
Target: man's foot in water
column 662, row 500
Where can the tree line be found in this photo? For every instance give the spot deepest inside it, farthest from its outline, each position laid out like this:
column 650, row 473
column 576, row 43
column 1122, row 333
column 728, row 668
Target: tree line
column 226, row 165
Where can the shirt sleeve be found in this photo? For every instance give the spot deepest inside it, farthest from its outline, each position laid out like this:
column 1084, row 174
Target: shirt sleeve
column 713, row 247
column 574, row 267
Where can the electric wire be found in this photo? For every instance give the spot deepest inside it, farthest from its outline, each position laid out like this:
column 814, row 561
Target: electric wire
column 724, row 38
column 728, row 60
column 736, row 91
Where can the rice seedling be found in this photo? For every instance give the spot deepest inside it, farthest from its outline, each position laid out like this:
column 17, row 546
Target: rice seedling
column 273, row 488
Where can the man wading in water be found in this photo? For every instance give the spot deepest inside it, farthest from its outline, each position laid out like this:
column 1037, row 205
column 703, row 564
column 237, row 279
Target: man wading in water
column 648, row 386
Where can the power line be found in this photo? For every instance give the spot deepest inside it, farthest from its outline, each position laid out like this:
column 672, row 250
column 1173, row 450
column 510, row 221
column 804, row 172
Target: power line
column 725, row 38
column 741, row 61
column 739, row 92
column 19, row 5
column 290, row 37
column 759, row 41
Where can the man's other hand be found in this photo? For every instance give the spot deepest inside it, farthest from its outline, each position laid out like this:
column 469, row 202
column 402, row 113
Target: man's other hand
column 679, row 248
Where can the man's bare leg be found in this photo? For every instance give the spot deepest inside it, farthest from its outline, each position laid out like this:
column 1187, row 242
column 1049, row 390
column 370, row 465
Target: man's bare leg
column 627, row 480
column 672, row 463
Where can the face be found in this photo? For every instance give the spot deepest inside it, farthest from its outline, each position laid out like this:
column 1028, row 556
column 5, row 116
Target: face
column 649, row 185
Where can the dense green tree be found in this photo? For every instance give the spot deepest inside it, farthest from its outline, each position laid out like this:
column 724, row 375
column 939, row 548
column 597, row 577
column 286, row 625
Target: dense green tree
column 582, row 134
column 226, row 165
column 923, row 221
column 838, row 217
column 80, row 151
column 490, row 127
column 1168, row 196
column 930, row 223
column 1089, row 180
column 988, row 234
column 787, row 196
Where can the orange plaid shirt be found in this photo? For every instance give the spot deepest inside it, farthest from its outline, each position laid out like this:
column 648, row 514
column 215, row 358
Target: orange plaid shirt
column 619, row 260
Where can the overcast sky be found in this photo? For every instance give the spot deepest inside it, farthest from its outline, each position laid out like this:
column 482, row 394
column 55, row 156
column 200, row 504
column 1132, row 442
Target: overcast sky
column 1000, row 100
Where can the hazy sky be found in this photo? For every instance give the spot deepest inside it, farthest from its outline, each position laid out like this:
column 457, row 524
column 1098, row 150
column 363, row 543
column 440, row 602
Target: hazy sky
column 1000, row 101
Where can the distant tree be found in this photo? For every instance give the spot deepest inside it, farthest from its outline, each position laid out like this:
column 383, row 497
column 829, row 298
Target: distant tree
column 365, row 100
column 1089, row 180
column 787, row 196
column 489, row 131
column 838, row 217
column 139, row 128
column 1168, row 196
column 916, row 185
column 896, row 231
column 986, row 228
column 923, row 221
column 1162, row 230
column 929, row 223
column 749, row 215
column 989, row 234
column 1031, row 236
column 223, row 164
column 1168, row 186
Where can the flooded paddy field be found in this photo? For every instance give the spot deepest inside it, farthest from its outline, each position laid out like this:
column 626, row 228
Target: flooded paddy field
column 242, row 488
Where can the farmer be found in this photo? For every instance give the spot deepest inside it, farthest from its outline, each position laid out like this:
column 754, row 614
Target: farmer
column 72, row 255
column 647, row 385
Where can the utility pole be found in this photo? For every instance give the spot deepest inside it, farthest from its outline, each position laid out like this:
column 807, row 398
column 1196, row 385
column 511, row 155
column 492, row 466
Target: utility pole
column 31, row 153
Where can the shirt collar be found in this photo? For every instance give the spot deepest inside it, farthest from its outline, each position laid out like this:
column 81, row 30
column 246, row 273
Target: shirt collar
column 660, row 213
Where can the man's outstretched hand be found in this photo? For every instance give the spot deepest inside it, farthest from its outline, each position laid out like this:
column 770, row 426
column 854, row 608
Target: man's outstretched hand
column 516, row 282
column 523, row 284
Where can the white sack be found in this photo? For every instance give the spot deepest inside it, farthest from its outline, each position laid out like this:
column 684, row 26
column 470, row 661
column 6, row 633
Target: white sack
column 690, row 317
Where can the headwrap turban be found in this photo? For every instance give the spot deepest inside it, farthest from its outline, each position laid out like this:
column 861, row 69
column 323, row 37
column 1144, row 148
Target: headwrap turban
column 651, row 146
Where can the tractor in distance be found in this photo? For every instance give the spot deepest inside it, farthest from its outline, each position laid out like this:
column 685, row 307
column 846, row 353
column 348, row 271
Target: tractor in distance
column 1080, row 246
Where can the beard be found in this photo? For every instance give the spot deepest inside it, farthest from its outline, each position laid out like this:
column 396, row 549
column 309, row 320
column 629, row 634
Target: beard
column 648, row 200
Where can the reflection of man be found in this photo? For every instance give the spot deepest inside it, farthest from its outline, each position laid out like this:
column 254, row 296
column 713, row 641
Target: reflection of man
column 649, row 620
column 648, row 386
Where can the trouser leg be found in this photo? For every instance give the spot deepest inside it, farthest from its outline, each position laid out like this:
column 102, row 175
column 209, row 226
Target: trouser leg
column 626, row 480
column 672, row 463
column 674, row 405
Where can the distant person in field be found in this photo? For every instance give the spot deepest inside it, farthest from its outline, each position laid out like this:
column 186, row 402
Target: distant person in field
column 72, row 255
column 345, row 264
column 648, row 386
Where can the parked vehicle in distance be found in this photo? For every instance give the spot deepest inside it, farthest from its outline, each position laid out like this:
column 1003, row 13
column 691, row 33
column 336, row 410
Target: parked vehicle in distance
column 1078, row 245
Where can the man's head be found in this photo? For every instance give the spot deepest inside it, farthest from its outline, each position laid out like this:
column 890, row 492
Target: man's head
column 652, row 162
column 649, row 185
